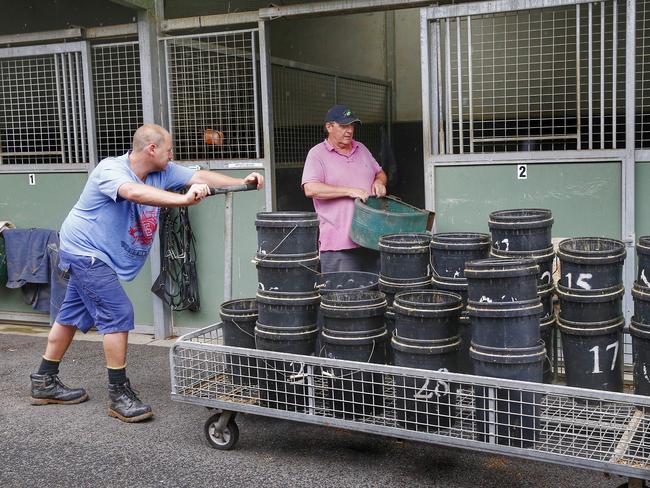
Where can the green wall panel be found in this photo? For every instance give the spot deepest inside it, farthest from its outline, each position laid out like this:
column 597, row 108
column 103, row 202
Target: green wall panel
column 44, row 205
column 47, row 204
column 642, row 199
column 207, row 221
column 584, row 198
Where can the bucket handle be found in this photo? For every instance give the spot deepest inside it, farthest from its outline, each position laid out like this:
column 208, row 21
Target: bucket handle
column 330, row 373
column 242, row 330
column 281, row 242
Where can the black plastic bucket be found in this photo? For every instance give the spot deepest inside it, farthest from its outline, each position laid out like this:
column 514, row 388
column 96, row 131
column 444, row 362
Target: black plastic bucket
column 641, row 357
column 501, row 280
column 547, row 334
column 355, row 392
column 282, row 309
column 593, row 355
column 238, row 318
column 427, row 315
column 392, row 288
column 505, row 325
column 284, row 384
column 423, row 405
column 546, row 294
column 508, row 416
column 286, row 233
column 289, row 273
column 588, row 306
column 521, row 229
column 591, row 263
column 389, row 320
column 643, row 261
column 465, row 333
column 641, row 297
column 451, row 250
column 454, row 285
column 353, row 311
column 544, row 258
column 404, row 256
column 347, row 280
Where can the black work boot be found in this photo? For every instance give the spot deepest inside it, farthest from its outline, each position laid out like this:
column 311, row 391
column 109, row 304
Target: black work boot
column 125, row 404
column 47, row 388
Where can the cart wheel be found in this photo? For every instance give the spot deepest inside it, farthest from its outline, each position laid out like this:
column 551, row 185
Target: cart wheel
column 225, row 440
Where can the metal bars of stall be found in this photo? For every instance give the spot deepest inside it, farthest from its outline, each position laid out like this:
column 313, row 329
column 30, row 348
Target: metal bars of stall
column 303, row 93
column 213, row 96
column 43, row 108
column 643, row 75
column 118, row 96
column 509, row 83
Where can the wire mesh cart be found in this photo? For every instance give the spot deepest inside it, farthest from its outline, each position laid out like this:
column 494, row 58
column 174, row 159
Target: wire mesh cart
column 592, row 429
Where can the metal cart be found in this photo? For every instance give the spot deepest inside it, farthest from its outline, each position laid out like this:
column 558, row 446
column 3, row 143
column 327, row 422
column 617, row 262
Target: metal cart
column 592, row 429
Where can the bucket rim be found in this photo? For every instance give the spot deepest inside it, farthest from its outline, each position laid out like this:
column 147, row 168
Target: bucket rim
column 333, row 339
column 639, row 329
column 498, row 267
column 417, row 349
column 640, row 291
column 409, row 240
column 453, row 282
column 597, row 295
column 404, row 301
column 250, row 311
column 521, row 218
column 271, row 296
column 537, row 255
column 508, row 358
column 285, row 215
column 588, row 331
column 643, row 245
column 287, row 335
column 505, row 309
column 615, row 254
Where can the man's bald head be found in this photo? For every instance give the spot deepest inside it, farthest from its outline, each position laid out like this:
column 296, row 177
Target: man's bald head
column 149, row 134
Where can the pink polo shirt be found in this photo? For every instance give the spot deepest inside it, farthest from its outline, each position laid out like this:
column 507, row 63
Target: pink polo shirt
column 325, row 164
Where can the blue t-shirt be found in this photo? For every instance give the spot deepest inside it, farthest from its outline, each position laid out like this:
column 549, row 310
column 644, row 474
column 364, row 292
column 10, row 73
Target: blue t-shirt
column 117, row 231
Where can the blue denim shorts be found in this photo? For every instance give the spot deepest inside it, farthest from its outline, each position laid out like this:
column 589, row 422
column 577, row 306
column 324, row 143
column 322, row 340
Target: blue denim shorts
column 94, row 297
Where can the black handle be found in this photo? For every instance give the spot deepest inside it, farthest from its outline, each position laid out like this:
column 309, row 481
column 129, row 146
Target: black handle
column 233, row 188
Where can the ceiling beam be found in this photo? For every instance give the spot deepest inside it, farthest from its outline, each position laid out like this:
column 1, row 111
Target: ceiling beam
column 136, row 4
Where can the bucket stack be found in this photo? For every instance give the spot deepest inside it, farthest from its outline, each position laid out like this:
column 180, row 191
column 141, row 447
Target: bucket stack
column 404, row 266
column 526, row 233
column 449, row 253
column 591, row 311
column 239, row 318
column 504, row 310
column 354, row 330
column 640, row 324
column 426, row 337
column 287, row 300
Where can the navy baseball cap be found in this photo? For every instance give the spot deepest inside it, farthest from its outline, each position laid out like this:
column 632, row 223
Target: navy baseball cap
column 341, row 115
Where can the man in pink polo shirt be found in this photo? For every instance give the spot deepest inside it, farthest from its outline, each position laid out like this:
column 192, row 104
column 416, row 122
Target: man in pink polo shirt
column 337, row 171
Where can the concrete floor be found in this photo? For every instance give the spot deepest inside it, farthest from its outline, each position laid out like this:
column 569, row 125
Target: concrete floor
column 79, row 445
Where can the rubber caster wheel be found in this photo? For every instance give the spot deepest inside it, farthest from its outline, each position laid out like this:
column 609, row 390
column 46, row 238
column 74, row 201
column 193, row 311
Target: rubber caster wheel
column 225, row 440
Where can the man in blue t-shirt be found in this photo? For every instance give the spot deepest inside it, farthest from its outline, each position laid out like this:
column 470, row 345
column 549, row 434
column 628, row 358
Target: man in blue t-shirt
column 105, row 238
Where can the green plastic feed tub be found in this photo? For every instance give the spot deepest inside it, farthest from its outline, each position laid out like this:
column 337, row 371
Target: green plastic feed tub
column 380, row 216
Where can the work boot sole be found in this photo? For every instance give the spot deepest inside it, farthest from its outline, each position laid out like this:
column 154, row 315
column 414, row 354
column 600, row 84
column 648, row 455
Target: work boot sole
column 48, row 401
column 137, row 418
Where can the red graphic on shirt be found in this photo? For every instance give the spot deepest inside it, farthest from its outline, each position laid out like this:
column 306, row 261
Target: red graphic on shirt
column 144, row 230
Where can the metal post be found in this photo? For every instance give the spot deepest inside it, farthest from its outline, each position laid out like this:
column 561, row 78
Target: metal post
column 89, row 99
column 267, row 115
column 227, row 243
column 152, row 113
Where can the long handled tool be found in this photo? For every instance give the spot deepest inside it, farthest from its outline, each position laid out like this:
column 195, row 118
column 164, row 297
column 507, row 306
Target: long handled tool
column 227, row 237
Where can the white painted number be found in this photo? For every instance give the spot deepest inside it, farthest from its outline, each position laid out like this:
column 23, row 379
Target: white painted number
column 581, row 282
column 547, row 275
column 442, row 388
column 596, row 349
column 522, row 171
column 497, row 244
column 644, row 279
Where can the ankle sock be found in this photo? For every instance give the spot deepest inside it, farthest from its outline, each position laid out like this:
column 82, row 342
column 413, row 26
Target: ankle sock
column 48, row 366
column 117, row 376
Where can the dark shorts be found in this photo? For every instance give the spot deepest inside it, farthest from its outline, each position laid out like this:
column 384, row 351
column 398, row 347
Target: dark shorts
column 357, row 259
column 94, row 297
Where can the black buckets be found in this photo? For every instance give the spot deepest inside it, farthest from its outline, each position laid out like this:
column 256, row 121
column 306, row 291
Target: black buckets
column 353, row 330
column 591, row 313
column 427, row 325
column 287, row 299
column 525, row 233
column 504, row 309
column 238, row 318
column 640, row 324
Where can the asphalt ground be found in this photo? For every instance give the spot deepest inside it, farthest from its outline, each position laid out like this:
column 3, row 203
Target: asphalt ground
column 80, row 446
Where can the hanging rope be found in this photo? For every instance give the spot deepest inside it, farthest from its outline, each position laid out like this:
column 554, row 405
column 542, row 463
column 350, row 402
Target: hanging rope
column 177, row 284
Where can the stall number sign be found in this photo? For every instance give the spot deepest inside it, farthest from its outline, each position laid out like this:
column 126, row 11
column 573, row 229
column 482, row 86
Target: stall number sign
column 522, row 171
